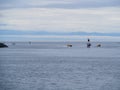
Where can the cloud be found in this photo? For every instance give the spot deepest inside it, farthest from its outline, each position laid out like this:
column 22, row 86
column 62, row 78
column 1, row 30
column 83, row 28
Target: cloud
column 3, row 24
column 61, row 20
column 7, row 4
column 87, row 4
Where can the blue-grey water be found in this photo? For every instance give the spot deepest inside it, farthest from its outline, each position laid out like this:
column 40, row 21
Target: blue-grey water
column 54, row 66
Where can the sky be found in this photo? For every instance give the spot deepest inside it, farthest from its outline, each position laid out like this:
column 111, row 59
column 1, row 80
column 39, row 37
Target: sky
column 90, row 16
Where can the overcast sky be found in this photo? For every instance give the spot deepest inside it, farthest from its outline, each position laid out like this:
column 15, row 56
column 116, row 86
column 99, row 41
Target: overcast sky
column 60, row 15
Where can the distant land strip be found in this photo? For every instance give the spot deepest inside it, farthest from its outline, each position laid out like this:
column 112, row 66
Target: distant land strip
column 22, row 32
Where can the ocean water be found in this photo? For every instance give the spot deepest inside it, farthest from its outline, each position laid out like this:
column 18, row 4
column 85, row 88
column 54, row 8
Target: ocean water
column 54, row 66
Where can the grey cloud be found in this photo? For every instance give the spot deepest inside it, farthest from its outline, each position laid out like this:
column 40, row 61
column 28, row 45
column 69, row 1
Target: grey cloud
column 7, row 4
column 88, row 4
column 3, row 24
column 5, row 1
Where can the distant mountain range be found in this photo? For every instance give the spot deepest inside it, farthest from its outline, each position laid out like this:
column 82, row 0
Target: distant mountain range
column 18, row 32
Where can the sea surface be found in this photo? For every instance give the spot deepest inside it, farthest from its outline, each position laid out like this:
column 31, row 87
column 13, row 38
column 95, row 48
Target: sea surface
column 54, row 66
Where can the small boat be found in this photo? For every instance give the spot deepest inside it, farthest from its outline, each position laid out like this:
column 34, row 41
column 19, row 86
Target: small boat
column 69, row 45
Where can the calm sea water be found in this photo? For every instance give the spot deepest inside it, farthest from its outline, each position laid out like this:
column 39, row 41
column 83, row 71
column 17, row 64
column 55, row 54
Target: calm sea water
column 54, row 66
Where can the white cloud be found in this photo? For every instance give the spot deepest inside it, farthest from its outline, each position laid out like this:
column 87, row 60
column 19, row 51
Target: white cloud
column 65, row 20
